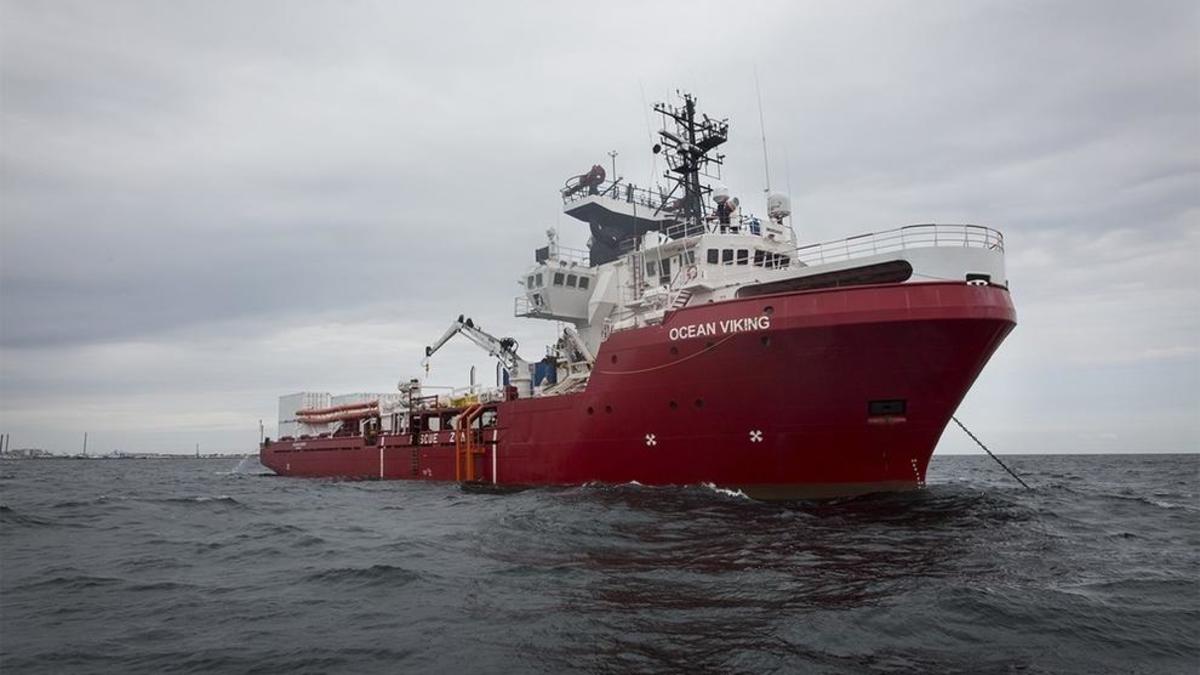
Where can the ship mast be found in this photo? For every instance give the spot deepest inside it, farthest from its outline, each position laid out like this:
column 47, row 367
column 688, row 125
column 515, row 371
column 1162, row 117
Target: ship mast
column 686, row 150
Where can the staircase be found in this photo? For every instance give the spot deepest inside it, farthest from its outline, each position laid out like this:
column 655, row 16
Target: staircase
column 681, row 300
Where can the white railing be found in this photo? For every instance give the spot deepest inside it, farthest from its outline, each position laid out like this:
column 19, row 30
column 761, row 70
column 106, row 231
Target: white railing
column 739, row 225
column 616, row 190
column 569, row 255
column 522, row 307
column 911, row 236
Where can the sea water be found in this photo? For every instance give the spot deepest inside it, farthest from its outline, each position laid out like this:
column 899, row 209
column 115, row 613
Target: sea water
column 172, row 566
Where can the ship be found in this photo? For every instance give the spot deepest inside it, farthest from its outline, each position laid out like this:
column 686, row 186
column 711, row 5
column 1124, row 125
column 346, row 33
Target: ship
column 700, row 345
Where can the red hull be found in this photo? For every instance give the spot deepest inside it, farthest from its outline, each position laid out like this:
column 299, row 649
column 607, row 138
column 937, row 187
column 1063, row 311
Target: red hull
column 778, row 412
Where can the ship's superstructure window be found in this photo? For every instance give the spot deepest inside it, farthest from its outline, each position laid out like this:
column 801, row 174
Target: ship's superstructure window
column 727, row 256
column 530, row 282
column 539, row 279
column 665, row 278
column 650, row 267
column 689, row 257
column 572, row 280
column 771, row 260
column 714, row 256
column 558, row 278
column 583, row 282
column 743, row 256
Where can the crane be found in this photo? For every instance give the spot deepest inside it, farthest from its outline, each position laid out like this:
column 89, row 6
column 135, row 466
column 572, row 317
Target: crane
column 504, row 349
column 580, row 346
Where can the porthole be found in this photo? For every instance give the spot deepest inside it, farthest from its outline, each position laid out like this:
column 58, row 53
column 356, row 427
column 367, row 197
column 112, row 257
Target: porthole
column 614, row 358
column 591, row 410
column 674, row 405
column 608, row 409
column 699, row 403
column 766, row 340
column 769, row 310
column 674, row 351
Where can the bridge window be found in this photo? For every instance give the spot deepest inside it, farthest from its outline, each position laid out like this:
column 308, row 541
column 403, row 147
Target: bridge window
column 714, row 256
column 775, row 260
column 743, row 256
column 558, row 278
column 770, row 260
column 572, row 280
column 583, row 282
column 727, row 256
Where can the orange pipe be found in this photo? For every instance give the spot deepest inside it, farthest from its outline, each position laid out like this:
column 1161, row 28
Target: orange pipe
column 338, row 408
column 334, row 417
column 462, row 425
column 471, row 416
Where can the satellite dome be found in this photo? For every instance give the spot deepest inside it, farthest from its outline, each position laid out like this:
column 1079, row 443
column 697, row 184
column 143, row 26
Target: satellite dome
column 779, row 206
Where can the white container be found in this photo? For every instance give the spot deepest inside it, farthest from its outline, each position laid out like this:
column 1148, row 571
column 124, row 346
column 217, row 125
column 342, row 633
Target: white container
column 306, row 400
column 386, row 401
column 297, row 429
column 347, row 399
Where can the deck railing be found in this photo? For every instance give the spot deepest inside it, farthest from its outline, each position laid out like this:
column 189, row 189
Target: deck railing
column 577, row 256
column 523, row 307
column 710, row 225
column 619, row 191
column 910, row 236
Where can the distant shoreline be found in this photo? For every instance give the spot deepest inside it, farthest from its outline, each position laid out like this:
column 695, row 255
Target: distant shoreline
column 12, row 458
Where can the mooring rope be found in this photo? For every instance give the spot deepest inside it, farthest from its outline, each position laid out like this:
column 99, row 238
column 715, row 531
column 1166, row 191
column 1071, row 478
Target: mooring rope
column 989, row 452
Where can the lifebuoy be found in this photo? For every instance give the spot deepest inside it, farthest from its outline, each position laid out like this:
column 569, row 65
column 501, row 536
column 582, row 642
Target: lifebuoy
column 691, row 272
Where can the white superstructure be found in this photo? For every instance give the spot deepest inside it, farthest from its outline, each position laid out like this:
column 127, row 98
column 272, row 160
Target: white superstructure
column 652, row 252
column 681, row 265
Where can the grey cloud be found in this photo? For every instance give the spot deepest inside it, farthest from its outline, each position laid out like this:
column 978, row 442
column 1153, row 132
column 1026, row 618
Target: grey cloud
column 187, row 175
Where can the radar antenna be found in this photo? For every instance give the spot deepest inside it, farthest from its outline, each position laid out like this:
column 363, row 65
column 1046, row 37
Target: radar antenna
column 687, row 151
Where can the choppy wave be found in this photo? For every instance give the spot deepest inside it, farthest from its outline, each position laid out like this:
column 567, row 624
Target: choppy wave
column 191, row 567
column 389, row 575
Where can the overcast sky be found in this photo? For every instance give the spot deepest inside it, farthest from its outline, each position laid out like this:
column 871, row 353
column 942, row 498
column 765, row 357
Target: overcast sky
column 205, row 205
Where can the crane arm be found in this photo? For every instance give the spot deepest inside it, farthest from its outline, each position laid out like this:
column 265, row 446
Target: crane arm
column 504, row 349
column 453, row 330
column 578, row 343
